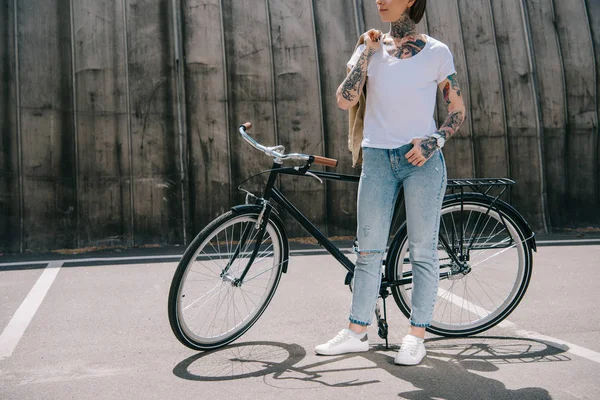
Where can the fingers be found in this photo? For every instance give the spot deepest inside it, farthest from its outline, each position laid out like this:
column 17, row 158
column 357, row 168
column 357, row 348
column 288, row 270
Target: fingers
column 418, row 162
column 415, row 157
column 373, row 37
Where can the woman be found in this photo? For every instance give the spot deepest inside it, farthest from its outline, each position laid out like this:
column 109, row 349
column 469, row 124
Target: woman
column 400, row 147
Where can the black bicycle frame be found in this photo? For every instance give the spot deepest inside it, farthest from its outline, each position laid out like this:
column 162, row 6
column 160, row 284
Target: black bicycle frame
column 272, row 193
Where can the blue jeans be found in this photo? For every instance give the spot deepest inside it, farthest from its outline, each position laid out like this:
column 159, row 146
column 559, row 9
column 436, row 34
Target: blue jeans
column 383, row 173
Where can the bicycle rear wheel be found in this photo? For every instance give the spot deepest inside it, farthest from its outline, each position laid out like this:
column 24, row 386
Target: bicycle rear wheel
column 478, row 296
column 208, row 307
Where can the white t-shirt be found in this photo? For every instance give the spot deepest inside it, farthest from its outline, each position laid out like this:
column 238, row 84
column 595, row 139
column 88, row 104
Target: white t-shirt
column 401, row 94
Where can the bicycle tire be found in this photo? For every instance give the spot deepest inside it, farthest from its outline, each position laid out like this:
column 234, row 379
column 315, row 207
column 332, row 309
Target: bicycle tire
column 192, row 336
column 452, row 204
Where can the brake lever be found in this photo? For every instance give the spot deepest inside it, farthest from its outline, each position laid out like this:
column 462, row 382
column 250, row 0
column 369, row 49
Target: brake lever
column 278, row 149
column 304, row 171
column 314, row 176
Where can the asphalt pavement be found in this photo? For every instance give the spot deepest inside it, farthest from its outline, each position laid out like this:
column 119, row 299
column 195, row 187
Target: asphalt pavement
column 98, row 329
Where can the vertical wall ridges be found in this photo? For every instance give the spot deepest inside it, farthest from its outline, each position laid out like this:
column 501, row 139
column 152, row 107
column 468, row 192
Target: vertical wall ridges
column 564, row 82
column 129, row 129
column 468, row 86
column 597, row 171
column 321, row 111
column 468, row 74
column 562, row 66
column 272, row 63
column 75, row 125
column 226, row 101
column 538, row 120
column 102, row 93
column 18, row 123
column 272, row 82
column 181, row 115
column 579, row 202
column 502, row 92
column 359, row 18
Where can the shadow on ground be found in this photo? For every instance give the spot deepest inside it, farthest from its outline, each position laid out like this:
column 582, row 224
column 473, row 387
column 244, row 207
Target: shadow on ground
column 449, row 371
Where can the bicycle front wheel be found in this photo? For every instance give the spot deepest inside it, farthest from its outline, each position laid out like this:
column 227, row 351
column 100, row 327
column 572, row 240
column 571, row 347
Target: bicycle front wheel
column 479, row 294
column 208, row 306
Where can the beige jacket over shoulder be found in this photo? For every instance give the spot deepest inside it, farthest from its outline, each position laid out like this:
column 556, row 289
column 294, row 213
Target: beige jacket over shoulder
column 356, row 121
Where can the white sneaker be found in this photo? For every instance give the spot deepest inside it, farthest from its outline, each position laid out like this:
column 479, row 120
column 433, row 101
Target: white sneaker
column 412, row 351
column 345, row 342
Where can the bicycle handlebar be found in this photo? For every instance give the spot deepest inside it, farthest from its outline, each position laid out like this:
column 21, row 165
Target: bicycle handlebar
column 275, row 150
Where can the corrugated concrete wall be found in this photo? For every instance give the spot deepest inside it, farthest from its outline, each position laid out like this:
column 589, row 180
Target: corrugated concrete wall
column 119, row 117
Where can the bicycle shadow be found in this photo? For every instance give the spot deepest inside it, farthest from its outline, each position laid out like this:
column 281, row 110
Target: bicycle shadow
column 448, row 371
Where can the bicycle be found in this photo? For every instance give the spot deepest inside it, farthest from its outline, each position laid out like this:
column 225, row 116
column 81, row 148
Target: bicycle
column 230, row 271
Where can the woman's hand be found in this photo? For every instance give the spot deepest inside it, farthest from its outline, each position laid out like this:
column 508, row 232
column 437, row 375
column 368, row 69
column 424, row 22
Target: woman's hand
column 422, row 151
column 373, row 39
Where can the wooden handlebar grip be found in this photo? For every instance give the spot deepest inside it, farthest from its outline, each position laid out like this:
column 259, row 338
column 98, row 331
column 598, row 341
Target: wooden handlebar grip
column 247, row 125
column 328, row 162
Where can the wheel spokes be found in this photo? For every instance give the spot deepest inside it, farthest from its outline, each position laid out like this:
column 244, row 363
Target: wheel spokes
column 217, row 305
column 480, row 291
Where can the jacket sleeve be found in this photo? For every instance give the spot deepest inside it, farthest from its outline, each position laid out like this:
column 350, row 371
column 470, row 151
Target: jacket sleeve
column 356, row 121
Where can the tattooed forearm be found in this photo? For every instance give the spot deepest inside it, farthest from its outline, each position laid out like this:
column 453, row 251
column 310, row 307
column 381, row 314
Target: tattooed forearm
column 350, row 88
column 429, row 145
column 453, row 122
column 456, row 107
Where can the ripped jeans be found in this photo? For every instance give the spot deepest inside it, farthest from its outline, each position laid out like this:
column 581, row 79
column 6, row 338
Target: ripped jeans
column 383, row 174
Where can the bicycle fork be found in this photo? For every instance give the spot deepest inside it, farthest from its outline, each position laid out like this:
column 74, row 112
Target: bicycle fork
column 261, row 226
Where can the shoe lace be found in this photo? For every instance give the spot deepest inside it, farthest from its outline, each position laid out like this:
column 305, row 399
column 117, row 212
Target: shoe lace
column 338, row 338
column 411, row 347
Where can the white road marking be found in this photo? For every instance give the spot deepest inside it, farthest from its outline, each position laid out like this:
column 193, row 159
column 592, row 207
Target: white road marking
column 550, row 341
column 20, row 321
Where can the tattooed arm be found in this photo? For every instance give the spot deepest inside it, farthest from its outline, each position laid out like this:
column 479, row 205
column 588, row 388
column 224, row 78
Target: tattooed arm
column 456, row 116
column 456, row 107
column 348, row 92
